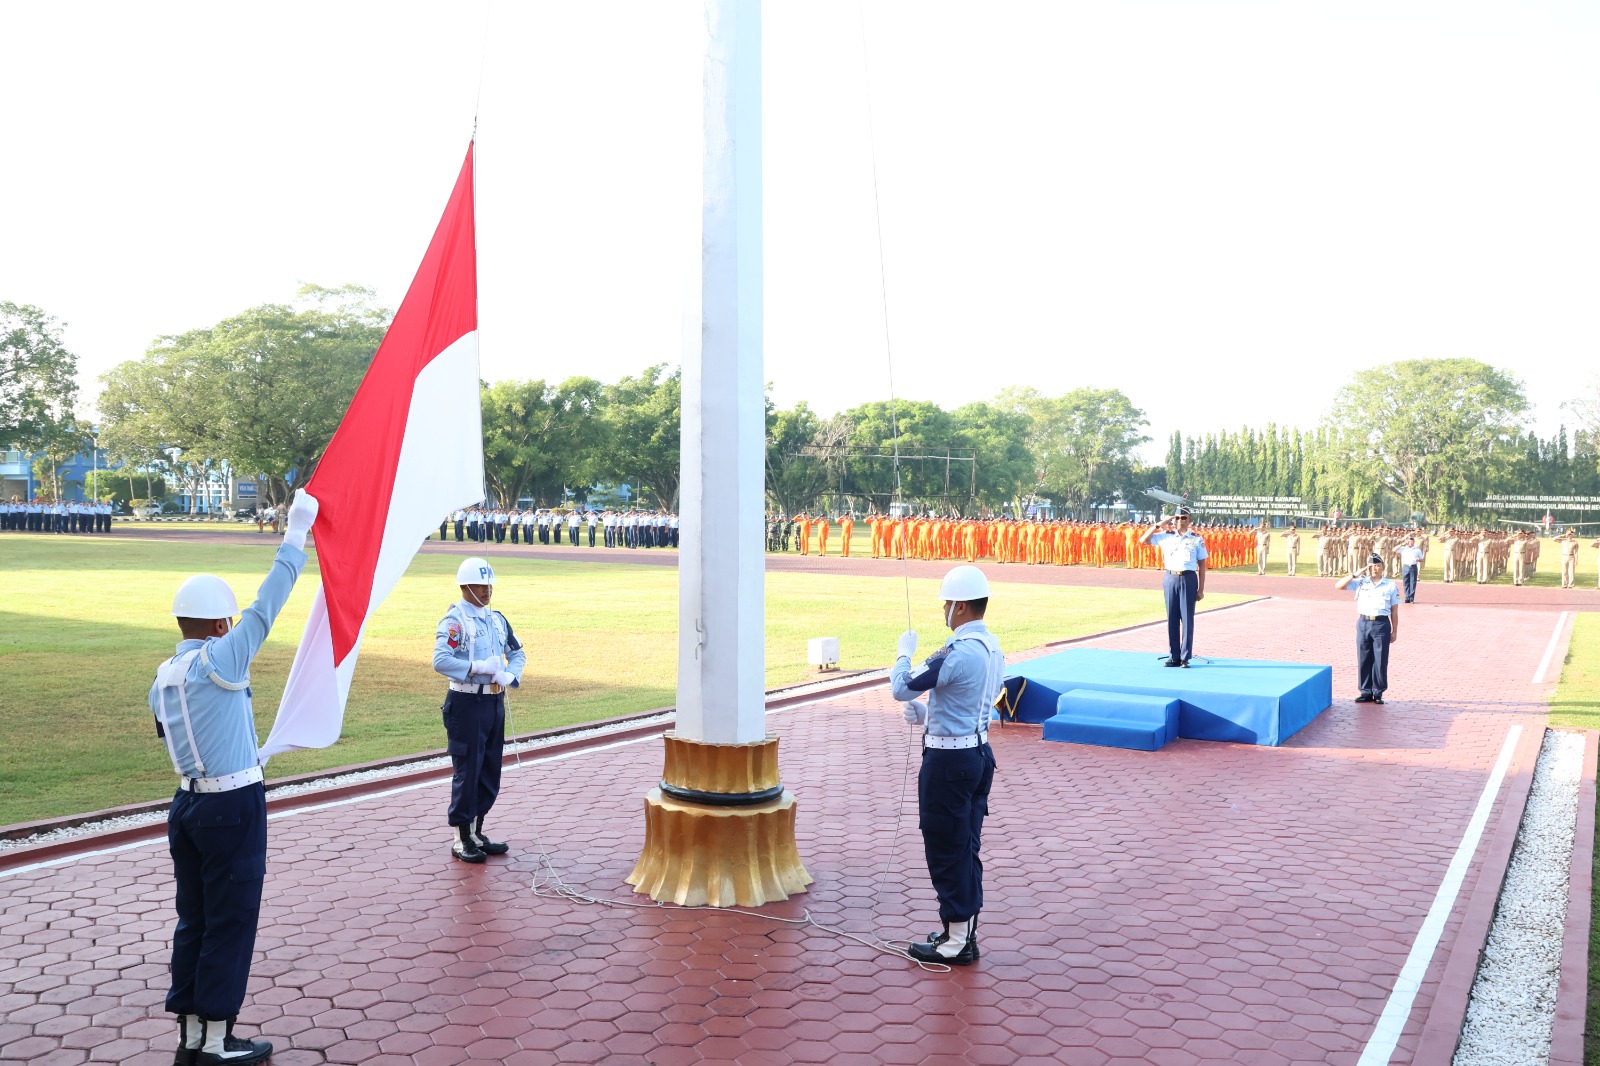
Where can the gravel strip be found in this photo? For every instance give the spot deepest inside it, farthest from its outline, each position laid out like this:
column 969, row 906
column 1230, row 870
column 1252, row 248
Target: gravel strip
column 1513, row 1005
column 282, row 791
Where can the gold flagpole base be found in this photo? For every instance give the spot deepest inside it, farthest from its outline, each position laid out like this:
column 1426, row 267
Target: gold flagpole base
column 719, row 830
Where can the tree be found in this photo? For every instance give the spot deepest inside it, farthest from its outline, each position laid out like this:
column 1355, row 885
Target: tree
column 999, row 441
column 263, row 390
column 539, row 439
column 1425, row 430
column 800, row 457
column 54, row 446
column 1082, row 443
column 640, row 433
column 38, row 378
column 1585, row 407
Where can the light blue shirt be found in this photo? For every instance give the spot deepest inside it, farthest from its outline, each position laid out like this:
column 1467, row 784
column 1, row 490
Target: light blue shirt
column 469, row 633
column 961, row 679
column 1375, row 597
column 223, row 721
column 1180, row 551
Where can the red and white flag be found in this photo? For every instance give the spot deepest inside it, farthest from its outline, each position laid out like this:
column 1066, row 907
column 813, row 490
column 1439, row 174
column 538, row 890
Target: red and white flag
column 409, row 450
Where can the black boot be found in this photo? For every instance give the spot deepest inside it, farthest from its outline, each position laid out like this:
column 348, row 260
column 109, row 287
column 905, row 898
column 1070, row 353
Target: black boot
column 191, row 1033
column 465, row 846
column 221, row 1046
column 487, row 846
column 954, row 948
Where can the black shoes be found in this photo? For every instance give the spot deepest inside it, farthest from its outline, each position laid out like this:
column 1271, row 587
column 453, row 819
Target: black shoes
column 1172, row 662
column 1377, row 699
column 959, row 948
column 1364, row 698
column 1184, row 664
column 465, row 846
column 485, row 845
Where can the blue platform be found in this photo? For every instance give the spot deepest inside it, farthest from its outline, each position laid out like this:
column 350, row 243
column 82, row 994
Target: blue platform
column 1114, row 719
column 1243, row 701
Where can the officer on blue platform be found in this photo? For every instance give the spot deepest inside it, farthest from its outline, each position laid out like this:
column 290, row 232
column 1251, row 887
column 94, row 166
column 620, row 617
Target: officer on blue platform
column 1377, row 627
column 962, row 680
column 477, row 651
column 1183, row 555
column 217, row 826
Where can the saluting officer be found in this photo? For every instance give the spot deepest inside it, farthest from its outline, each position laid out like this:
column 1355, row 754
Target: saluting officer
column 1377, row 627
column 477, row 651
column 217, row 827
column 962, row 680
column 1184, row 558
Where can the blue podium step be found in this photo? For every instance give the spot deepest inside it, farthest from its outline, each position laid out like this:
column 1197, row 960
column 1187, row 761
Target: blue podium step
column 1114, row 719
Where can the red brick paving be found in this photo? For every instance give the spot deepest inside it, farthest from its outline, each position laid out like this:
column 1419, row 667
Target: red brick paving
column 1205, row 904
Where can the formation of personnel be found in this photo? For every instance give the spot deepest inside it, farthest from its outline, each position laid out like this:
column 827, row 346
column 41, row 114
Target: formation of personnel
column 1344, row 549
column 44, row 515
column 1003, row 540
column 1484, row 554
column 614, row 529
column 782, row 531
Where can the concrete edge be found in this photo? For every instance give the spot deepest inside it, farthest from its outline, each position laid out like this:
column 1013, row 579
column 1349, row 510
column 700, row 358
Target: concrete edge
column 777, row 699
column 1451, row 977
column 1572, row 992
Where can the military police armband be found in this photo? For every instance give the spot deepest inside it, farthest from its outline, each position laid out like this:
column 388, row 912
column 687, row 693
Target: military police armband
column 512, row 643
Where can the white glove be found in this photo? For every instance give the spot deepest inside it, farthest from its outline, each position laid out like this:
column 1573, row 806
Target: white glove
column 486, row 667
column 908, row 643
column 912, row 711
column 302, row 513
column 503, row 678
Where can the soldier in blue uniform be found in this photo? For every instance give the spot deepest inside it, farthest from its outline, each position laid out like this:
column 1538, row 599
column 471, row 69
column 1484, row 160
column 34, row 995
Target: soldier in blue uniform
column 217, row 827
column 1377, row 626
column 1183, row 555
column 962, row 680
column 477, row 651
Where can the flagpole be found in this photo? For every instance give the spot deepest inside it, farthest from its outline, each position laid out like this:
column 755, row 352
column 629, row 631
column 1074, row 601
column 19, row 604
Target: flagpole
column 719, row 830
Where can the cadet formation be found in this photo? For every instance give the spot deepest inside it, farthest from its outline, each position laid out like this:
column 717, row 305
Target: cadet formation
column 1481, row 555
column 42, row 515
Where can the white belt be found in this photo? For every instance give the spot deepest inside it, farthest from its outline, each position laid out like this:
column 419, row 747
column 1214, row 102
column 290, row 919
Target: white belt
column 971, row 740
column 477, row 690
column 1180, row 571
column 225, row 783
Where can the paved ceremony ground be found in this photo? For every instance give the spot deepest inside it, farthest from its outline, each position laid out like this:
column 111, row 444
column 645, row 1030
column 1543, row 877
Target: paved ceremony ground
column 1209, row 903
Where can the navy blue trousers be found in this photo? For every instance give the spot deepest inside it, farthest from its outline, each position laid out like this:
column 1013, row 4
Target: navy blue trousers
column 475, row 729
column 218, row 843
column 952, row 800
column 1409, row 577
column 1372, row 655
column 1180, row 591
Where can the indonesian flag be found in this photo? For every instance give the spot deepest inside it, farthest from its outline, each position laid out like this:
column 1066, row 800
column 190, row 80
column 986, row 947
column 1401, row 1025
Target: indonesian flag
column 409, row 450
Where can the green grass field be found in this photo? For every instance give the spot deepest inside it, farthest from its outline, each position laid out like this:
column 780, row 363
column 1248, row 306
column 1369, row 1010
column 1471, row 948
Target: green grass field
column 86, row 622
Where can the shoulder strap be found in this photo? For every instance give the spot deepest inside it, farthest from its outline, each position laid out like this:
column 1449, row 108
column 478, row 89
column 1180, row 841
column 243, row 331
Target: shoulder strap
column 170, row 675
column 217, row 679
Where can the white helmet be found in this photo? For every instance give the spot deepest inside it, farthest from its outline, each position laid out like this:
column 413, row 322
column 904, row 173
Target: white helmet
column 475, row 571
column 964, row 583
column 204, row 596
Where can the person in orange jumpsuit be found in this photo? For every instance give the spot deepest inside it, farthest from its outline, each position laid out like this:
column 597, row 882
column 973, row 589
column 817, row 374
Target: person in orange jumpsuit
column 847, row 528
column 803, row 524
column 823, row 524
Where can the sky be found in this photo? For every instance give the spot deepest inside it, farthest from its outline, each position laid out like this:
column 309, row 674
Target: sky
column 1222, row 209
